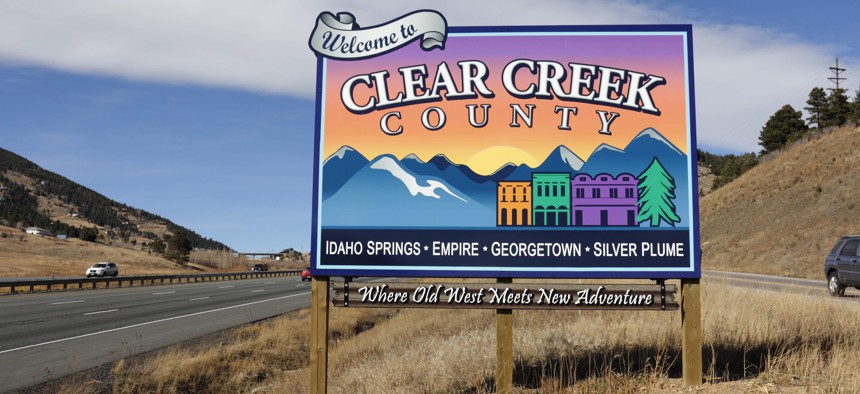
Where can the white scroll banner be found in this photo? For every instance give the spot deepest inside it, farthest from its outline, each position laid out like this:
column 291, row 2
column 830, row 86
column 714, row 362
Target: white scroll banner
column 340, row 37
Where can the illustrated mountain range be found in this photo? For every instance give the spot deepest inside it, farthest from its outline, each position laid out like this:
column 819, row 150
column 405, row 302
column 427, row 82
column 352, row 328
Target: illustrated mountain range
column 408, row 192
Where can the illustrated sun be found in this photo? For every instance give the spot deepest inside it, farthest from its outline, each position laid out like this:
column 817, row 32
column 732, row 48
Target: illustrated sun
column 491, row 159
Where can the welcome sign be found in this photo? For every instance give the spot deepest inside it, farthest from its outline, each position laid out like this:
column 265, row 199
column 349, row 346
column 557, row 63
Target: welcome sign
column 548, row 151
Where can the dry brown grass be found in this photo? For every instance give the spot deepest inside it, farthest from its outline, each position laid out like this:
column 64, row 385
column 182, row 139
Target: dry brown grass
column 23, row 255
column 225, row 261
column 218, row 259
column 27, row 255
column 247, row 358
column 784, row 215
column 753, row 342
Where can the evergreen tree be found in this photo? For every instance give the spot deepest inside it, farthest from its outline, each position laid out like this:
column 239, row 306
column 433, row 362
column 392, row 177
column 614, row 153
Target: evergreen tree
column 733, row 166
column 837, row 110
column 816, row 104
column 73, row 232
column 157, row 246
column 656, row 192
column 710, row 160
column 89, row 234
column 179, row 247
column 784, row 125
column 855, row 107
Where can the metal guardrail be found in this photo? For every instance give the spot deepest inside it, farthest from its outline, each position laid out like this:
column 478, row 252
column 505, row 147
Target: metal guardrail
column 54, row 284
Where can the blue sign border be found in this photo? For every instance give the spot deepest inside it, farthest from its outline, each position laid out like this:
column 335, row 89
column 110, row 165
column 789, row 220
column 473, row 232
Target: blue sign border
column 692, row 271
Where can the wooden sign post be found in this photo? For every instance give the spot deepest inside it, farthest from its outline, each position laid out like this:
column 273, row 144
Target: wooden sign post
column 364, row 294
column 691, row 339
column 319, row 334
column 504, row 347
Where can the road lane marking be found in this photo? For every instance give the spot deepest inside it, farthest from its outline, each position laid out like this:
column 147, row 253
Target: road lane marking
column 257, row 291
column 196, row 299
column 226, row 287
column 151, row 322
column 760, row 282
column 164, row 292
column 96, row 313
column 66, row 302
column 269, row 283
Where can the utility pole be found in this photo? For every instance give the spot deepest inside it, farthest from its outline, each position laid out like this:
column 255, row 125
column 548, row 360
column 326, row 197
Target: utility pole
column 836, row 78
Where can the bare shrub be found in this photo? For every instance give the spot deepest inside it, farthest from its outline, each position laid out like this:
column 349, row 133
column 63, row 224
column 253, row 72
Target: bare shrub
column 217, row 259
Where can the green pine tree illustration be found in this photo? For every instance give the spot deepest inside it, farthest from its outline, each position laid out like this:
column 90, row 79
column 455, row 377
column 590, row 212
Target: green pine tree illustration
column 656, row 192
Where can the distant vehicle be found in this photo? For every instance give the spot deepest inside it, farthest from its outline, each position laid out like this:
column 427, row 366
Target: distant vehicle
column 842, row 265
column 306, row 274
column 260, row 267
column 102, row 269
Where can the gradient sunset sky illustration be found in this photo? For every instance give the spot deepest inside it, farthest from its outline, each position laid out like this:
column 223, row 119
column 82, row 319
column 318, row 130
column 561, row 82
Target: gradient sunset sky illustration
column 486, row 149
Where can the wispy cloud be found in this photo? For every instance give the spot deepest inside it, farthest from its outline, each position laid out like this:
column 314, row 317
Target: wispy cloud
column 13, row 79
column 743, row 73
column 109, row 97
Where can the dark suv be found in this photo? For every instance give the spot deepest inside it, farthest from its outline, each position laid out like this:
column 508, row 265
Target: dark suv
column 842, row 266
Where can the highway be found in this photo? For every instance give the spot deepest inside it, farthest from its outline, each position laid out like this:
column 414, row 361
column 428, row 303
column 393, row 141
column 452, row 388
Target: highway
column 49, row 335
column 814, row 287
column 46, row 336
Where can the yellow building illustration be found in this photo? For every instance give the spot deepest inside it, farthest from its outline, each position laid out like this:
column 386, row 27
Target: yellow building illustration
column 514, row 204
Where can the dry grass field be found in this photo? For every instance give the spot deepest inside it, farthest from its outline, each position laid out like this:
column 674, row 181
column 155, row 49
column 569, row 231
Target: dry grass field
column 27, row 255
column 32, row 255
column 753, row 342
column 784, row 215
column 226, row 262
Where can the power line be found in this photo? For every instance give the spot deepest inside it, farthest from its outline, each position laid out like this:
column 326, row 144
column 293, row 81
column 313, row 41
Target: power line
column 751, row 122
column 836, row 78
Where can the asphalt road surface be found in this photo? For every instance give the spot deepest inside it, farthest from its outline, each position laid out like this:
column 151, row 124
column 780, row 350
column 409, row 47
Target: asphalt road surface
column 774, row 283
column 49, row 335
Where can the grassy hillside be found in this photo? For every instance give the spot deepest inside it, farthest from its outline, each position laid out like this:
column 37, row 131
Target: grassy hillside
column 36, row 256
column 33, row 196
column 27, row 255
column 784, row 215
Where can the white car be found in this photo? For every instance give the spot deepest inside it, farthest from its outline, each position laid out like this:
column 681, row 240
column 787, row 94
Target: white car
column 103, row 268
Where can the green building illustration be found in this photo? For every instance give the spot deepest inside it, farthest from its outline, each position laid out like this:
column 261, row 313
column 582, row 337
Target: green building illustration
column 551, row 199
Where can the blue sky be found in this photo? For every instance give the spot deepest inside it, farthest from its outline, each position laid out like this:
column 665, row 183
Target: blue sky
column 219, row 161
column 204, row 114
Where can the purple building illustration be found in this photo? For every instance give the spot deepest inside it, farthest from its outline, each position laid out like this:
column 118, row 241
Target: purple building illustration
column 604, row 200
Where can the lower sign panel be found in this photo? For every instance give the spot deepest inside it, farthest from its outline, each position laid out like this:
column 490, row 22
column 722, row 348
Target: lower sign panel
column 505, row 296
